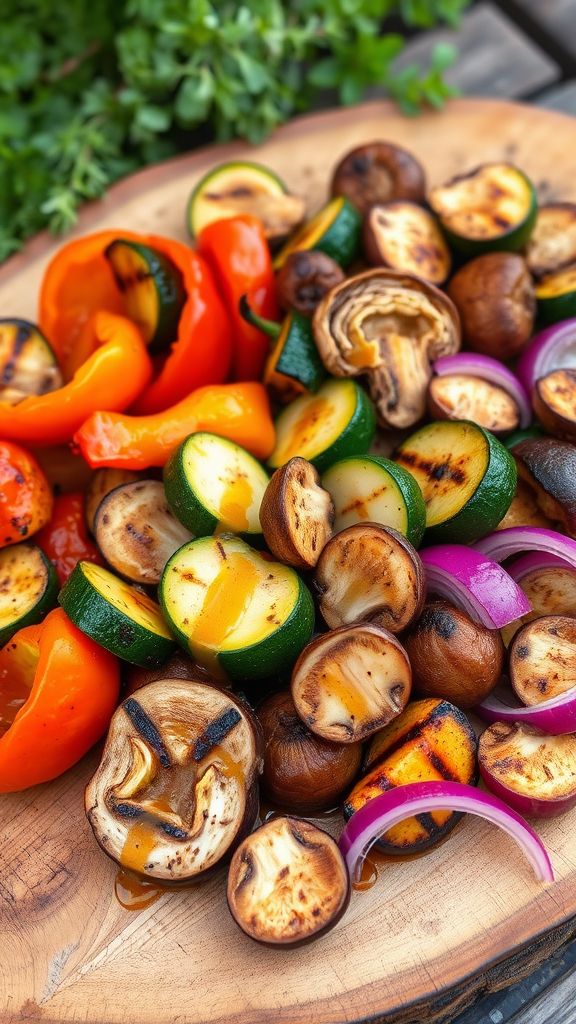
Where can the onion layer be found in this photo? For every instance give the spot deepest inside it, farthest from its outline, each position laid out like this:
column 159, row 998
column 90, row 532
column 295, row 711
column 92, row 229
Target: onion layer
column 551, row 349
column 556, row 716
column 518, row 539
column 474, row 365
column 474, row 583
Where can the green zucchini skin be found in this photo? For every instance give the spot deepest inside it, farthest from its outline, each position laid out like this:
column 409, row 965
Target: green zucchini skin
column 168, row 284
column 406, row 484
column 109, row 627
column 251, row 169
column 44, row 603
column 299, row 357
column 554, row 308
column 339, row 239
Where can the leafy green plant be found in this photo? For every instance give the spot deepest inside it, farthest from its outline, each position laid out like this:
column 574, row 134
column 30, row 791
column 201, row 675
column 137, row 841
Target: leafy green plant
column 91, row 91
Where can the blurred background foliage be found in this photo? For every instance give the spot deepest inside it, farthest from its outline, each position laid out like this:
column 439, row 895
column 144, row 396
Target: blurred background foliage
column 93, row 89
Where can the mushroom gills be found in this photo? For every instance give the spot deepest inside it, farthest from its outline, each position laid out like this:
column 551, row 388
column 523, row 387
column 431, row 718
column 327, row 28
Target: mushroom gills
column 351, row 682
column 173, row 790
column 136, row 531
column 405, row 236
column 28, row 365
column 543, row 658
column 459, row 396
column 287, row 882
column 431, row 740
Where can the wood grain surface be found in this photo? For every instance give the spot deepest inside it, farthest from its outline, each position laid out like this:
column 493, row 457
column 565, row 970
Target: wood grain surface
column 433, row 932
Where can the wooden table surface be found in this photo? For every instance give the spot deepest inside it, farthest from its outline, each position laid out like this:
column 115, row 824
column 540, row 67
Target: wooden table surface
column 518, row 49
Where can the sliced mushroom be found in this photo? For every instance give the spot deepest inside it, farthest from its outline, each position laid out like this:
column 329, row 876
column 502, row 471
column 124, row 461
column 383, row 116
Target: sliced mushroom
column 296, row 514
column 287, row 883
column 302, row 772
column 304, row 279
column 459, row 396
column 179, row 666
column 494, row 295
column 543, row 658
column 370, row 573
column 137, row 532
column 548, row 467
column 524, row 510
column 376, row 173
column 349, row 683
column 390, row 326
column 101, row 483
column 552, row 244
column 533, row 772
column 175, row 790
column 554, row 401
column 406, row 237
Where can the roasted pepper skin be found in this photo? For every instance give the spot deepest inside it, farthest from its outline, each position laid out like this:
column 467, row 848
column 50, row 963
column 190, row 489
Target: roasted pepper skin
column 238, row 252
column 73, row 696
column 240, row 412
column 79, row 282
column 25, row 495
column 111, row 378
column 64, row 540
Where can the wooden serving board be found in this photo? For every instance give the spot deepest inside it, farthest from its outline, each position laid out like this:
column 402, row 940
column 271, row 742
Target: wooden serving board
column 434, row 931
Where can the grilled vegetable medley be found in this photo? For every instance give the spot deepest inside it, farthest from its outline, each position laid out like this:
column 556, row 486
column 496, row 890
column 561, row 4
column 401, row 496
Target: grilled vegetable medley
column 289, row 513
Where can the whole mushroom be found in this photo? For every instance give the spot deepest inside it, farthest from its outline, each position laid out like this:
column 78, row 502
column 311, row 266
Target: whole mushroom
column 390, row 326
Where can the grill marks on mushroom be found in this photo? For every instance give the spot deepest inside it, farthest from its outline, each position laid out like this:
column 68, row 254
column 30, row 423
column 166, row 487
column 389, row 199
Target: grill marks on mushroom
column 543, row 658
column 175, row 788
column 287, row 883
column 370, row 573
column 296, row 514
column 351, row 682
column 391, row 326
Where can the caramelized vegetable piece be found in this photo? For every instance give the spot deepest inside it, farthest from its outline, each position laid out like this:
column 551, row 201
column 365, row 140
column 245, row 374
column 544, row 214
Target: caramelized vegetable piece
column 390, row 326
column 296, row 514
column 304, row 279
column 530, row 770
column 137, row 532
column 404, row 236
column 287, row 883
column 351, row 682
column 494, row 296
column 101, row 483
column 302, row 772
column 551, row 591
column 543, row 658
column 552, row 244
column 556, row 295
column 548, row 467
column 554, row 401
column 376, row 173
column 175, row 790
column 524, row 511
column 452, row 656
column 370, row 573
column 178, row 666
column 28, row 365
column 461, row 397
column 430, row 740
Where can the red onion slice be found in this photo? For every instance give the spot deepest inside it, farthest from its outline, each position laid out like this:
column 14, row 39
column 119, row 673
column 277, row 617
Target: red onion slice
column 474, row 583
column 381, row 813
column 556, row 716
column 532, row 563
column 551, row 349
column 489, row 369
column 517, row 540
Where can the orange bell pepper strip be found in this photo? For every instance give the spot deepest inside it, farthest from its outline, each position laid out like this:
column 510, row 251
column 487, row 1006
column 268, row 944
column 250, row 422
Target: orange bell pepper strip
column 64, row 540
column 240, row 412
column 79, row 282
column 238, row 252
column 25, row 495
column 111, row 378
column 58, row 691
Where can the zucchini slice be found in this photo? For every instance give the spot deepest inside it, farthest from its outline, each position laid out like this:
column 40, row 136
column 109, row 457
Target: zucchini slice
column 556, row 295
column 334, row 230
column 369, row 488
column 552, row 244
column 238, row 614
column 137, row 532
column 467, row 477
column 404, row 236
column 241, row 187
column 294, row 366
column 213, row 484
column 152, row 288
column 101, row 483
column 491, row 208
column 28, row 365
column 28, row 588
column 118, row 616
column 338, row 420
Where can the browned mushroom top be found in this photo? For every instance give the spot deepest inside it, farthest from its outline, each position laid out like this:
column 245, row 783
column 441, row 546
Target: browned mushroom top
column 390, row 326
